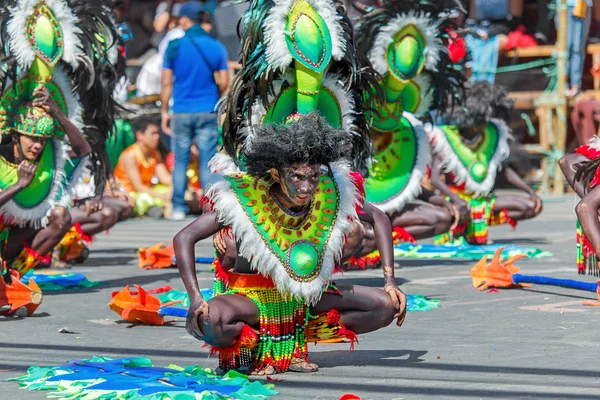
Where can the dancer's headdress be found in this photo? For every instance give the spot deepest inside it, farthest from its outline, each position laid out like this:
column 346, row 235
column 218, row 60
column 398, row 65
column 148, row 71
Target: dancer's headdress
column 405, row 41
column 298, row 57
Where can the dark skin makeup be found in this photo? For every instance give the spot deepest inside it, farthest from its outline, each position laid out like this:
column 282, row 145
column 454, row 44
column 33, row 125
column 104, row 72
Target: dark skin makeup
column 219, row 321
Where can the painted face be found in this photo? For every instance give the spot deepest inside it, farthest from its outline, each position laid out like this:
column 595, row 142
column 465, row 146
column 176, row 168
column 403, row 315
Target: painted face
column 31, row 146
column 150, row 137
column 299, row 182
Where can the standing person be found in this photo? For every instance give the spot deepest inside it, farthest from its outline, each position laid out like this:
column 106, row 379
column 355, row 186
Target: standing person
column 195, row 73
column 579, row 17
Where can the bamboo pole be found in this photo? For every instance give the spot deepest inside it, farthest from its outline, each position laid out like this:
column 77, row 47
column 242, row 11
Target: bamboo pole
column 561, row 101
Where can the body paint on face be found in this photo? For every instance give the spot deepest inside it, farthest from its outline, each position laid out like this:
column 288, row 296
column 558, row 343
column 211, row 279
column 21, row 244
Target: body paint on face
column 298, row 184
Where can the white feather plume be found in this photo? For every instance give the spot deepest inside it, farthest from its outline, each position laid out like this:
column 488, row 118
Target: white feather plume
column 424, row 22
column 451, row 163
column 17, row 27
column 278, row 54
column 263, row 259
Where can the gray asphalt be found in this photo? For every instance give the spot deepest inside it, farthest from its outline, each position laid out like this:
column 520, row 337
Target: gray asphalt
column 538, row 343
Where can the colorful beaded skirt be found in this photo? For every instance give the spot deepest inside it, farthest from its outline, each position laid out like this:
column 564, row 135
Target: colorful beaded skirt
column 483, row 216
column 281, row 333
column 587, row 261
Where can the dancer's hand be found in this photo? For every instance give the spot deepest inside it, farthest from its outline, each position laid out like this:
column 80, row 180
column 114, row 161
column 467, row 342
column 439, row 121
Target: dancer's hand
column 93, row 205
column 165, row 122
column 25, row 173
column 219, row 242
column 455, row 214
column 398, row 300
column 537, row 201
column 197, row 308
column 42, row 98
column 463, row 208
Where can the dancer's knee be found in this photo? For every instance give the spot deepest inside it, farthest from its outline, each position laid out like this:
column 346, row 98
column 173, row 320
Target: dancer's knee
column 60, row 218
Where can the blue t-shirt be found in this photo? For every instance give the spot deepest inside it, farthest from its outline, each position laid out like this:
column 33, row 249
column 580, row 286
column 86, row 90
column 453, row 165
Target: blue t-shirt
column 194, row 87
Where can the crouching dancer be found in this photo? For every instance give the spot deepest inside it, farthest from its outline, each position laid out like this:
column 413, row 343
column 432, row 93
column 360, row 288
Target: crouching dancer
column 291, row 214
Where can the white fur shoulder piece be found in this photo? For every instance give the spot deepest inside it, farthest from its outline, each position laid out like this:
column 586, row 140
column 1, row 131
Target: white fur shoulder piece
column 385, row 37
column 263, row 259
column 17, row 28
column 278, row 54
column 451, row 163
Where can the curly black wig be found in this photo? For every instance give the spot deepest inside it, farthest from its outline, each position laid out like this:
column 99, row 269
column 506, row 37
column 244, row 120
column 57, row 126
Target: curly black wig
column 483, row 101
column 307, row 140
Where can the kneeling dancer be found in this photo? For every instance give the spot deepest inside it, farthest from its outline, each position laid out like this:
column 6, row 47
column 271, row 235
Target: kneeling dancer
column 290, row 214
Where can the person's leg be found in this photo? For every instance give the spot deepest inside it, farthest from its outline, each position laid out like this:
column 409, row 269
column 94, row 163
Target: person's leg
column 207, row 136
column 227, row 315
column 576, row 48
column 181, row 142
column 362, row 309
column 518, row 208
column 423, row 220
column 120, row 207
column 46, row 239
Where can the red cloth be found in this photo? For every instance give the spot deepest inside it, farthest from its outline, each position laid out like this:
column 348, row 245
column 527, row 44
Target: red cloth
column 519, row 38
column 456, row 46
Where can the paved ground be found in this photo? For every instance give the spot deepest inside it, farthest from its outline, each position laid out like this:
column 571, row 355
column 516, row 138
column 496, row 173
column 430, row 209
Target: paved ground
column 538, row 343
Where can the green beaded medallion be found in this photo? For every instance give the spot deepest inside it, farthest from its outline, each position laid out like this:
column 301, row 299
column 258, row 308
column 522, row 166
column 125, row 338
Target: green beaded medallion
column 476, row 159
column 298, row 241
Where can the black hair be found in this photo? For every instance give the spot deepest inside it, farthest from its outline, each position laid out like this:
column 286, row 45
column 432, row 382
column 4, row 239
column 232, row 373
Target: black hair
column 586, row 172
column 141, row 123
column 483, row 101
column 306, row 140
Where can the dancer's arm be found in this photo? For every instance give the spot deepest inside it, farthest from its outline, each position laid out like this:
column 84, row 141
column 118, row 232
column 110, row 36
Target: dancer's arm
column 79, row 145
column 514, row 179
column 25, row 174
column 440, row 184
column 203, row 227
column 569, row 165
column 587, row 213
column 383, row 238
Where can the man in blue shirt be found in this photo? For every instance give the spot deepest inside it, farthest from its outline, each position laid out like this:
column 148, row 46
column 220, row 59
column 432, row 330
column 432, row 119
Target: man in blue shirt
column 195, row 74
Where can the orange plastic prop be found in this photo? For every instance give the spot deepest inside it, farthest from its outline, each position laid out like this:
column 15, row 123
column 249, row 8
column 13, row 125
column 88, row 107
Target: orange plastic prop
column 141, row 308
column 595, row 303
column 17, row 298
column 156, row 256
column 496, row 274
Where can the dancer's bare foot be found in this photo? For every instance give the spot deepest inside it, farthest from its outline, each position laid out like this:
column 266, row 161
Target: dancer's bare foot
column 268, row 370
column 300, row 365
